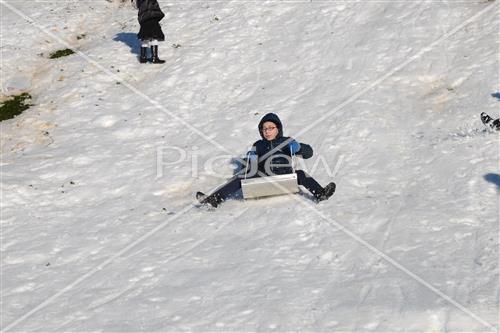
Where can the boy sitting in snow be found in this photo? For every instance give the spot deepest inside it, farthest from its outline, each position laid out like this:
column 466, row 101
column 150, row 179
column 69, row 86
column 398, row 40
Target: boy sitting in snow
column 273, row 154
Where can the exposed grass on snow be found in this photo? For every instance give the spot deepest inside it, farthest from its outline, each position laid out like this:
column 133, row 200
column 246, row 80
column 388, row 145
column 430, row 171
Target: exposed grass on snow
column 14, row 106
column 61, row 53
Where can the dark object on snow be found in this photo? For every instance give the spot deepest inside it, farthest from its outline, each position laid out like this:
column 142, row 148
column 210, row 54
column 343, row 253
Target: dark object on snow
column 61, row 53
column 274, row 158
column 488, row 121
column 14, row 106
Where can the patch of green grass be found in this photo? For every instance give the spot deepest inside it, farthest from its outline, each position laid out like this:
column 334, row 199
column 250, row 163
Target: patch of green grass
column 61, row 53
column 14, row 106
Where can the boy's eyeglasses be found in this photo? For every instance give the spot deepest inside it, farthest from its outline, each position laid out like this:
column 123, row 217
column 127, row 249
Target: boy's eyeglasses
column 268, row 129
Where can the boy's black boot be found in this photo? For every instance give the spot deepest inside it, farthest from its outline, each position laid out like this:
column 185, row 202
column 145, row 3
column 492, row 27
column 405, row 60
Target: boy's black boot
column 154, row 52
column 144, row 55
column 495, row 124
column 487, row 120
column 204, row 199
column 327, row 192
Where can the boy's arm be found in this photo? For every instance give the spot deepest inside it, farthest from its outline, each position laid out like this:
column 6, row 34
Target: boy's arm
column 300, row 149
column 305, row 151
column 253, row 149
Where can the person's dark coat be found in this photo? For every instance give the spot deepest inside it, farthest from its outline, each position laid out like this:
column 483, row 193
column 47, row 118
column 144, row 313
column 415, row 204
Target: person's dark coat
column 149, row 18
column 149, row 9
column 280, row 162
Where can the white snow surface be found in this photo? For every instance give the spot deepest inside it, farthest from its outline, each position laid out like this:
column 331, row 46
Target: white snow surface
column 100, row 229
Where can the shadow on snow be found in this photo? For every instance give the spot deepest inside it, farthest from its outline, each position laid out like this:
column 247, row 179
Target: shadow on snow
column 130, row 39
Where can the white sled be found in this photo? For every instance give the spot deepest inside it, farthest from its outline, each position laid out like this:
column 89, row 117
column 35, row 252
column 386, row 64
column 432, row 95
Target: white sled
column 269, row 186
column 259, row 187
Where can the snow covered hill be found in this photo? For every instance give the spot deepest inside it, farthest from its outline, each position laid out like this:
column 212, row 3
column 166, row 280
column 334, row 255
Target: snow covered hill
column 100, row 231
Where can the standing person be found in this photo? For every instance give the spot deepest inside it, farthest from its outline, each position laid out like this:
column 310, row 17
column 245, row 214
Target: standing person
column 273, row 154
column 150, row 33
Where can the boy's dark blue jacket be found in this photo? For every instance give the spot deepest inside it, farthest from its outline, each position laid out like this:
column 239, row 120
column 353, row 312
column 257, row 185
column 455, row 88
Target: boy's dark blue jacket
column 279, row 164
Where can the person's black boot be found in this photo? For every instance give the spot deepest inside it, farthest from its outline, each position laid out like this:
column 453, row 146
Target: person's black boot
column 485, row 118
column 488, row 121
column 144, row 55
column 204, row 199
column 154, row 52
column 327, row 192
column 495, row 124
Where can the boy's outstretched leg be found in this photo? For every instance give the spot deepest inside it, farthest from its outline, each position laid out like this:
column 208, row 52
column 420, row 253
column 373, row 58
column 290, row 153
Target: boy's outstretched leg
column 221, row 194
column 312, row 185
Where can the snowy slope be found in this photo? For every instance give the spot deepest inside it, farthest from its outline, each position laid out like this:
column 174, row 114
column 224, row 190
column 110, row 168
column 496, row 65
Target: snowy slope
column 100, row 234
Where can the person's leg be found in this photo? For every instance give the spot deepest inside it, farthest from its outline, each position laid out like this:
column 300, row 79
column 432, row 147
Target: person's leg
column 144, row 51
column 223, row 192
column 154, row 52
column 308, row 182
column 314, row 187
